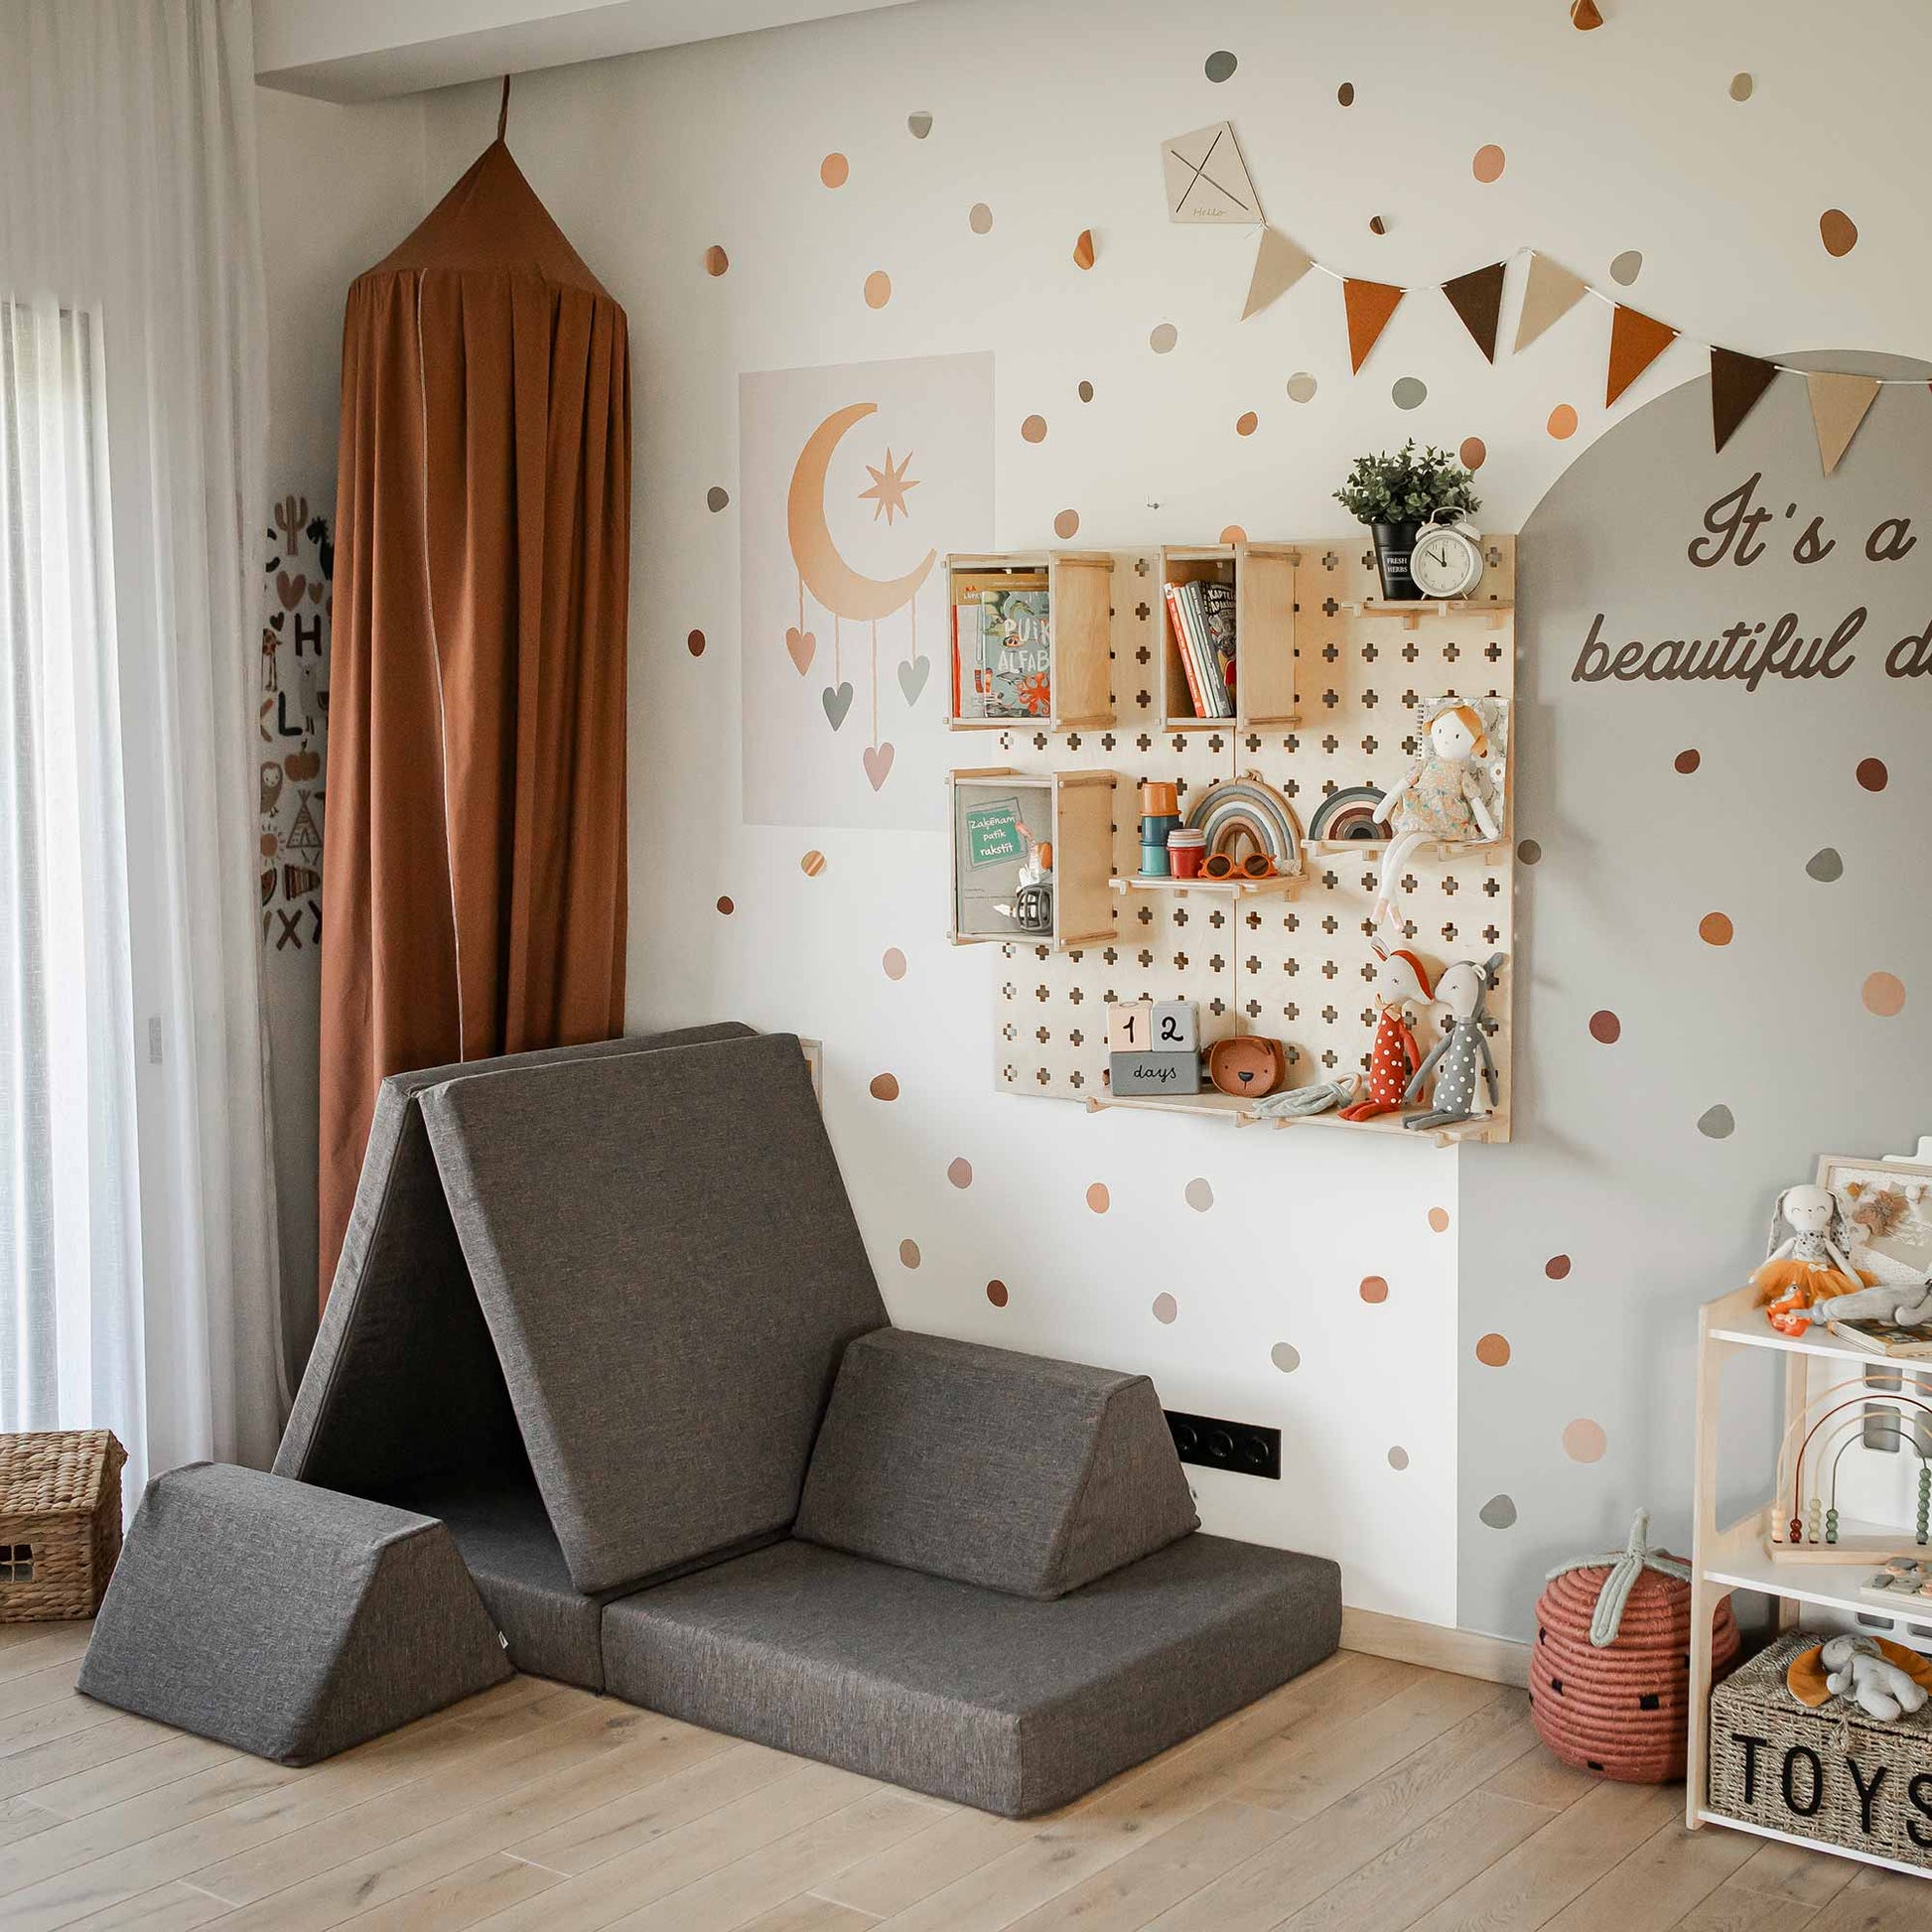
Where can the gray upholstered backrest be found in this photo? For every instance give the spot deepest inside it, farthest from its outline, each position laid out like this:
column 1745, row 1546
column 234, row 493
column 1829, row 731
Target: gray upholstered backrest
column 670, row 1271
column 403, row 1382
column 1008, row 1471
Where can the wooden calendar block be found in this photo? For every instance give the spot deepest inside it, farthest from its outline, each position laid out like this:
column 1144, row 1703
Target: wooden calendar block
column 1176, row 1026
column 1130, row 1026
column 1129, row 1074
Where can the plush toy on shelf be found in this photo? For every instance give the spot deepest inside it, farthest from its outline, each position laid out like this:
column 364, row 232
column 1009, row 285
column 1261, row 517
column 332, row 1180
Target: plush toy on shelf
column 1442, row 798
column 1453, row 1058
column 1806, row 1268
column 1855, row 1668
column 1401, row 980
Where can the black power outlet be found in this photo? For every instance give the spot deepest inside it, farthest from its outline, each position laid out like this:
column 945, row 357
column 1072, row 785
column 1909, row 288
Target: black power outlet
column 1246, row 1447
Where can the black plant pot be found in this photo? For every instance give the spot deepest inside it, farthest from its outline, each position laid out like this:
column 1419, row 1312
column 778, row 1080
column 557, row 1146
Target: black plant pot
column 1394, row 542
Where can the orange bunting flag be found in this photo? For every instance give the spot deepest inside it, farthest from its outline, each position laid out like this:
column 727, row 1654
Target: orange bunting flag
column 1737, row 382
column 1636, row 342
column 1370, row 306
column 1838, row 406
column 1477, row 298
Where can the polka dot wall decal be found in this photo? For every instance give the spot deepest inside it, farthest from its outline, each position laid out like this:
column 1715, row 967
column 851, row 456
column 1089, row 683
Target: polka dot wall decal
column 1066, row 524
column 1034, row 429
column 1410, row 392
column 1499, row 1512
column 716, row 497
column 716, row 261
column 725, row 905
column 979, row 218
column 1473, row 453
column 1162, row 338
column 1824, row 864
column 908, row 1254
column 1488, row 163
column 960, row 1173
column 1838, row 231
column 1438, row 1219
column 1098, row 1197
column 1398, row 1457
column 1345, row 94
column 1741, row 87
column 1557, row 1268
column 996, row 1293
column 1378, row 224
column 1685, row 763
column 1583, row 1440
column 1715, row 930
column 694, row 643
column 1528, row 851
column 884, row 1087
column 1717, row 1123
column 1492, row 1351
column 919, row 125
column 1199, row 1195
column 1871, row 774
column 1234, row 533
column 1627, row 267
column 1083, row 251
column 1606, row 1027
column 1245, row 423
column 1301, row 386
column 1563, row 422
column 812, row 864
column 1884, row 994
column 1373, row 1289
column 1220, row 65
column 878, row 288
column 834, row 171
column 1165, row 1307
column 894, row 963
column 1085, row 392
column 1286, row 1357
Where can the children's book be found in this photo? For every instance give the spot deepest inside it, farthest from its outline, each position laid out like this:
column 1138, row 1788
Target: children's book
column 1202, row 616
column 1885, row 1338
column 1002, row 644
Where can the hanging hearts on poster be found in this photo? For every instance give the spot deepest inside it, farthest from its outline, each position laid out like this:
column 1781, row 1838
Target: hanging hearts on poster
column 801, row 644
column 878, row 762
column 913, row 675
column 837, row 701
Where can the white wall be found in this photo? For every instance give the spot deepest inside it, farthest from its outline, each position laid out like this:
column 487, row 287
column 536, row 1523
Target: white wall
column 1617, row 140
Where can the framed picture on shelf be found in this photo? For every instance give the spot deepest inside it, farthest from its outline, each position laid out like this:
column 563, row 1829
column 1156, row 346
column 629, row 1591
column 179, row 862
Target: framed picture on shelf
column 1884, row 1211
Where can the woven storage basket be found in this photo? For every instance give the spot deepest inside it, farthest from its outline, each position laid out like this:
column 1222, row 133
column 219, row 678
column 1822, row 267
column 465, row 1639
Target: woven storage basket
column 1624, row 1710
column 60, row 1523
column 1804, row 1771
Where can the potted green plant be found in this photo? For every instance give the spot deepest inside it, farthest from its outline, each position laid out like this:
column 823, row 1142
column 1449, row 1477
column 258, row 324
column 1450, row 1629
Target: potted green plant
column 1395, row 495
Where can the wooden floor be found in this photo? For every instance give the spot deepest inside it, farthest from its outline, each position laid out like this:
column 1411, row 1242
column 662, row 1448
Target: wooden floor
column 1366, row 1794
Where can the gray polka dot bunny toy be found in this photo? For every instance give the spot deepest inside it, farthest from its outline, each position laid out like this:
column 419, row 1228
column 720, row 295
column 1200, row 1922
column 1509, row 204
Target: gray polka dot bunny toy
column 1455, row 1058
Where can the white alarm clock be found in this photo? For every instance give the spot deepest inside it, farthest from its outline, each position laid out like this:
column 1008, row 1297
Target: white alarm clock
column 1448, row 558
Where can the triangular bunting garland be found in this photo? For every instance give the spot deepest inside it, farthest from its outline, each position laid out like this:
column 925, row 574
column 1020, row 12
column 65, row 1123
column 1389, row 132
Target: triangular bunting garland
column 1549, row 295
column 1838, row 406
column 1737, row 382
column 1370, row 306
column 1636, row 342
column 1279, row 265
column 1477, row 298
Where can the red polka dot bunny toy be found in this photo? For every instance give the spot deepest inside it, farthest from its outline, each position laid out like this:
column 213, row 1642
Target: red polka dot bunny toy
column 1401, row 979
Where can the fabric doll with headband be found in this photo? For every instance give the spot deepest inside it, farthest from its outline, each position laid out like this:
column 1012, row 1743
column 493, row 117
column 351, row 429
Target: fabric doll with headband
column 1393, row 1056
column 1807, row 1267
column 1442, row 798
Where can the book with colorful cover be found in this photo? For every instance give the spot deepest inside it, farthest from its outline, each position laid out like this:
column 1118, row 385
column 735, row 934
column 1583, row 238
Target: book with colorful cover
column 1184, row 644
column 1218, row 606
column 1202, row 616
column 1885, row 1338
column 1002, row 644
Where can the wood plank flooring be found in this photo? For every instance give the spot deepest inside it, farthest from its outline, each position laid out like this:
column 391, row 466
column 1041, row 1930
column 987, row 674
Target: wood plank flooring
column 1368, row 1796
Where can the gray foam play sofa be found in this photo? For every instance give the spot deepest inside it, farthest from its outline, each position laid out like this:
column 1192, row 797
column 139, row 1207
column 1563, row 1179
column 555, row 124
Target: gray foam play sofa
column 606, row 1314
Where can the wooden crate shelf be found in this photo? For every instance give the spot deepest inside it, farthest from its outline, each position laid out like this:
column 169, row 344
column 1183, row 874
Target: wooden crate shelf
column 1073, row 811
column 1262, row 578
column 1079, row 588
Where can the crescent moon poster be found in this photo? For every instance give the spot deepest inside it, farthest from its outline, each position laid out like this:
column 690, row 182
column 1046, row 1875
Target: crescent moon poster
column 855, row 482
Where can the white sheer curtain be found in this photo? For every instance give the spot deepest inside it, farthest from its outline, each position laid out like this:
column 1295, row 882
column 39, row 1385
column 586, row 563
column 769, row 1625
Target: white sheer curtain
column 137, row 1254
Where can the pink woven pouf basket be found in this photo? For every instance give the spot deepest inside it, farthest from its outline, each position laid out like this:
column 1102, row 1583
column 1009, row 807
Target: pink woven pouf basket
column 1621, row 1710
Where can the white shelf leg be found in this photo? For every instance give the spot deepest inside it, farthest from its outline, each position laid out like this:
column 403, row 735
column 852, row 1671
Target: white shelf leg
column 1712, row 1356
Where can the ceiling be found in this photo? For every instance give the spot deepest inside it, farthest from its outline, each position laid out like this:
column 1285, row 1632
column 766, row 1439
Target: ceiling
column 370, row 49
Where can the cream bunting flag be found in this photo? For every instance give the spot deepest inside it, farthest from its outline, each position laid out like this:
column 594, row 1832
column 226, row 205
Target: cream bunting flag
column 1838, row 406
column 1549, row 295
column 1279, row 265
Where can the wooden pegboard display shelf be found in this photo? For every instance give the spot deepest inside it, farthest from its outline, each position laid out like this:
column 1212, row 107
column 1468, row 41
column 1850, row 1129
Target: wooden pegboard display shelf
column 1241, row 1110
column 1375, row 848
column 1079, row 614
column 1293, row 962
column 1276, row 886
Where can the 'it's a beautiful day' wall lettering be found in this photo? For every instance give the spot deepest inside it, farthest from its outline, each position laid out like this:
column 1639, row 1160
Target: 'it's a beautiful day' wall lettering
column 1735, row 535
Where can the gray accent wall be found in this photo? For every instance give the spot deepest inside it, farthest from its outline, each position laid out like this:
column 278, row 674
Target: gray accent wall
column 1587, row 1244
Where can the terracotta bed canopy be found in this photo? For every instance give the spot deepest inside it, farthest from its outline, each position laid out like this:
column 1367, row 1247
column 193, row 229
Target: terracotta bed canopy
column 473, row 868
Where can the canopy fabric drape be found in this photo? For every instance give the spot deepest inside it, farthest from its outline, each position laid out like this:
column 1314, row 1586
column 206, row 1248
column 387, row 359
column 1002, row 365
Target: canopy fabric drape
column 474, row 871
